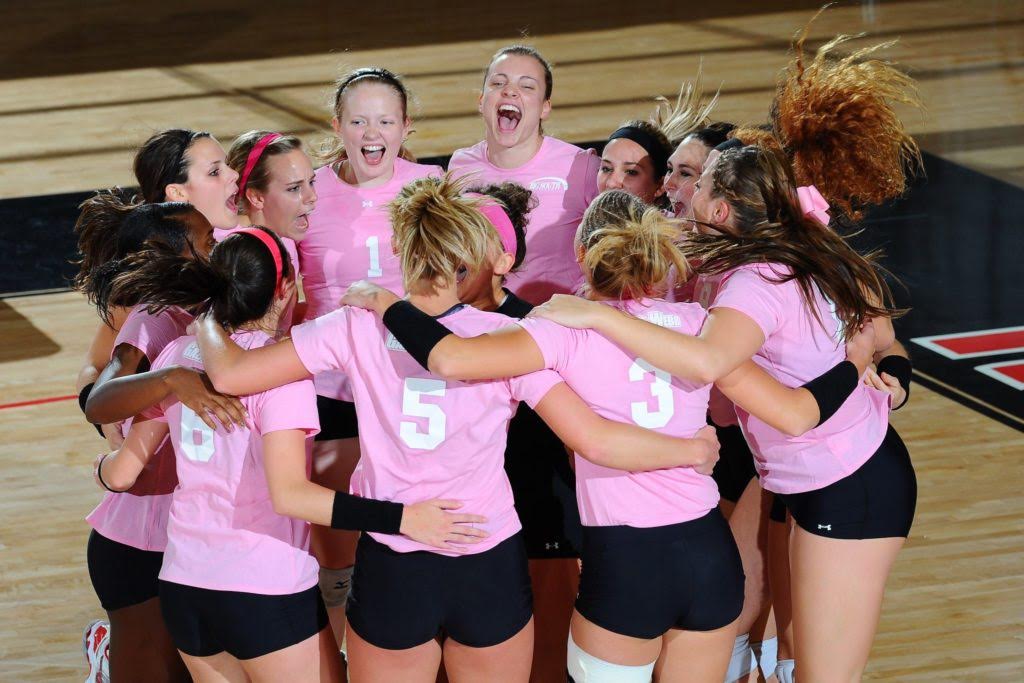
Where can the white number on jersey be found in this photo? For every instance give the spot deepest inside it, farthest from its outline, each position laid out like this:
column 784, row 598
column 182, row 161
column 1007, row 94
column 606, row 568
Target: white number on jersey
column 373, row 244
column 196, row 436
column 661, row 389
column 413, row 390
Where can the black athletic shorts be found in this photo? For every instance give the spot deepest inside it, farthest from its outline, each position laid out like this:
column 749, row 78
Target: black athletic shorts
column 121, row 575
column 401, row 600
column 544, row 487
column 735, row 466
column 204, row 622
column 876, row 501
column 337, row 419
column 642, row 582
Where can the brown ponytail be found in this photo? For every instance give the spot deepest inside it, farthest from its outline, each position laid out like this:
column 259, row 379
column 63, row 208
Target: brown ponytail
column 237, row 284
column 771, row 228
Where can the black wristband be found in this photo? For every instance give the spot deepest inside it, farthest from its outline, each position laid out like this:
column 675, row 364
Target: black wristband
column 900, row 368
column 832, row 388
column 99, row 474
column 83, row 397
column 366, row 514
column 416, row 331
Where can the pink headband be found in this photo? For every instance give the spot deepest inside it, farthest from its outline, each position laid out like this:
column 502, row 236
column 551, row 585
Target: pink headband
column 812, row 203
column 264, row 237
column 497, row 217
column 254, row 155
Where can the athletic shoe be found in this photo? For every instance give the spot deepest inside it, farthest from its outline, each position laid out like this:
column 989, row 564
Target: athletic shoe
column 96, row 648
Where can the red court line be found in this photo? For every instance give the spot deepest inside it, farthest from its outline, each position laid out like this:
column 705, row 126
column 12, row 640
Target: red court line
column 36, row 402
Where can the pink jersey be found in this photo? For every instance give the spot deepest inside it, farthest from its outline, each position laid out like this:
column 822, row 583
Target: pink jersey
column 797, row 349
column 223, row 532
column 349, row 239
column 138, row 517
column 293, row 255
column 422, row 437
column 563, row 179
column 621, row 387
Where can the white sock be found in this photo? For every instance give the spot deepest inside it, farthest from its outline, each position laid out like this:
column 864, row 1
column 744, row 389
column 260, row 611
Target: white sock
column 785, row 671
column 767, row 655
column 741, row 662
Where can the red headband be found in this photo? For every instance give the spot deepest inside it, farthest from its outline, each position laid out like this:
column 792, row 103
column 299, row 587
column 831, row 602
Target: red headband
column 254, row 155
column 497, row 217
column 264, row 237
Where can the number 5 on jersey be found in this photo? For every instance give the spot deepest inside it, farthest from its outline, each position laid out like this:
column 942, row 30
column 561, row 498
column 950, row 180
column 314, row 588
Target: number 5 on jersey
column 414, row 389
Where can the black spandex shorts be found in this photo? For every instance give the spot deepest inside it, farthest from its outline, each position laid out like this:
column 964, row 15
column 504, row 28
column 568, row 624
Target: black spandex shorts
column 121, row 575
column 204, row 622
column 337, row 419
column 735, row 466
column 876, row 501
column 544, row 488
column 643, row 582
column 401, row 600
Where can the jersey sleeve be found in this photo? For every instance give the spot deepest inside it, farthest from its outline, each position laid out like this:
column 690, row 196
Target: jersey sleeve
column 324, row 343
column 533, row 387
column 593, row 166
column 292, row 406
column 556, row 343
column 150, row 334
column 749, row 293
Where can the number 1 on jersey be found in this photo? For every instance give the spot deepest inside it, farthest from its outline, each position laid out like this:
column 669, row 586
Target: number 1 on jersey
column 373, row 245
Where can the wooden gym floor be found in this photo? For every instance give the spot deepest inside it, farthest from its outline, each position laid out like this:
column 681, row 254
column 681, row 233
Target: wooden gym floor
column 79, row 93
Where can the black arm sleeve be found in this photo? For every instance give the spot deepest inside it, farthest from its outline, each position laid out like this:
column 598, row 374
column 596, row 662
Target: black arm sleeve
column 365, row 514
column 416, row 331
column 83, row 396
column 832, row 388
column 900, row 368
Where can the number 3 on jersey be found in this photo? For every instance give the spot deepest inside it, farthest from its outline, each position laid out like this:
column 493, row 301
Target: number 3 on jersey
column 196, row 436
column 414, row 389
column 661, row 389
column 373, row 245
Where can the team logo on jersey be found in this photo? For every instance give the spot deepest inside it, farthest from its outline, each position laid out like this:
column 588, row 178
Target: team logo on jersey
column 367, row 203
column 549, row 184
column 392, row 344
column 192, row 352
column 662, row 319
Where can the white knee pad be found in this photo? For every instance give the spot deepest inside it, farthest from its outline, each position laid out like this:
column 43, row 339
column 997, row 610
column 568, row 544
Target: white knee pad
column 586, row 668
column 742, row 661
column 785, row 671
column 767, row 655
column 334, row 585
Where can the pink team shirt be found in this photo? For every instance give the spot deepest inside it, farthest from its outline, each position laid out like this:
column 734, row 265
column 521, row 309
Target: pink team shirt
column 349, row 239
column 797, row 349
column 621, row 387
column 140, row 521
column 223, row 533
column 422, row 437
column 289, row 246
column 563, row 179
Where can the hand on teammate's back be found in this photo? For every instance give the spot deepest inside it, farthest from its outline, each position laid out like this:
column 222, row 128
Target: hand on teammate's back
column 860, row 349
column 193, row 388
column 708, row 435
column 430, row 522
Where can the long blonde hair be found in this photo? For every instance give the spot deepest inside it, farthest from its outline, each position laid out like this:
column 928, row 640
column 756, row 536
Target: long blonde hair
column 436, row 230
